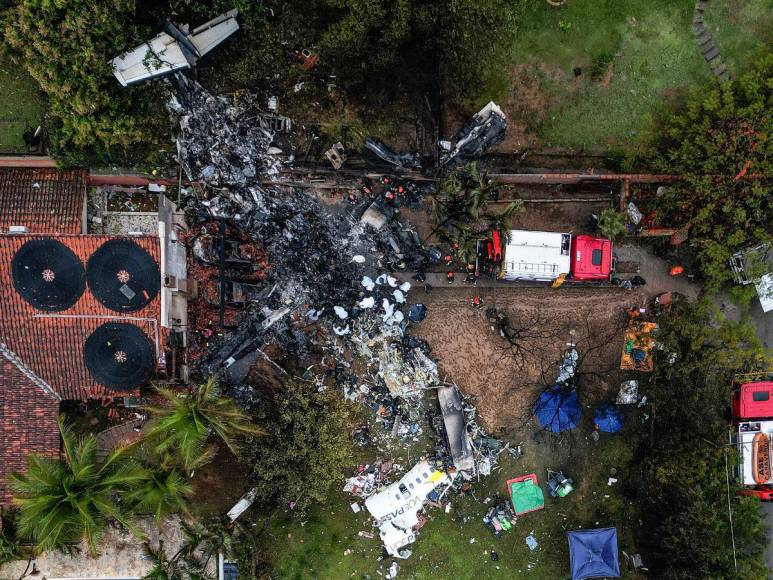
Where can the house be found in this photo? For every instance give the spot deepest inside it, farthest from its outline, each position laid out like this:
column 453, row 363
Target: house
column 82, row 316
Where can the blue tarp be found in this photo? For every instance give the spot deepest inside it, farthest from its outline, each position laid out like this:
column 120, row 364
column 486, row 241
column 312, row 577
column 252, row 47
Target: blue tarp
column 609, row 418
column 593, row 554
column 558, row 409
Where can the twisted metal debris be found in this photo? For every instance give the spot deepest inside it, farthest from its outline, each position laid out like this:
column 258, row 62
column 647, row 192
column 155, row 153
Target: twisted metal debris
column 323, row 273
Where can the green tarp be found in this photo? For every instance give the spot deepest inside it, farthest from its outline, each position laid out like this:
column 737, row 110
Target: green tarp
column 526, row 496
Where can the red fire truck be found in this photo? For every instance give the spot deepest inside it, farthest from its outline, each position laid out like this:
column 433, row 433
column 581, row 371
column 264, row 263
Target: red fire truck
column 547, row 256
column 752, row 408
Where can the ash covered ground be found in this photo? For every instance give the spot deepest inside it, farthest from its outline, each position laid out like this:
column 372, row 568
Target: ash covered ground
column 335, row 292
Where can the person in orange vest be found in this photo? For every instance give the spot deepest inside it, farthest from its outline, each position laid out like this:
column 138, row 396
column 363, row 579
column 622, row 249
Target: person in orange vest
column 676, row 270
column 450, row 276
column 476, row 301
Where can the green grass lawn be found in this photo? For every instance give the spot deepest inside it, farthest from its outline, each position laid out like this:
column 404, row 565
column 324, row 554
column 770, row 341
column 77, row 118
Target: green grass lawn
column 632, row 54
column 316, row 547
column 20, row 104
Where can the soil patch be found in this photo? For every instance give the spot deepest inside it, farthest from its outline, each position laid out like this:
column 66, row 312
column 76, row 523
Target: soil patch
column 218, row 485
column 505, row 383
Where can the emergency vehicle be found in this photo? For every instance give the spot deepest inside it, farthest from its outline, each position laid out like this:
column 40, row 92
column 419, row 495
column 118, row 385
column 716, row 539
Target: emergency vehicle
column 548, row 256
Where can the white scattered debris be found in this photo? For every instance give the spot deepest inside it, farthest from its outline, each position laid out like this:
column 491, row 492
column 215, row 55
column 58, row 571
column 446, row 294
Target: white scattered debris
column 396, row 507
column 368, row 283
column 367, row 302
column 399, row 296
column 358, row 259
column 628, row 393
column 356, row 507
column 341, row 312
column 611, row 481
column 173, row 49
column 393, row 570
column 531, row 541
column 243, row 504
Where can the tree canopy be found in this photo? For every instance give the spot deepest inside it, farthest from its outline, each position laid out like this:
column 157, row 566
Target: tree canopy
column 306, row 447
column 392, row 46
column 681, row 479
column 66, row 46
column 62, row 502
column 719, row 139
column 185, row 428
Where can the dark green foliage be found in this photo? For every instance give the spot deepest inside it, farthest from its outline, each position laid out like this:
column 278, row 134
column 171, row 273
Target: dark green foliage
column 460, row 212
column 600, row 64
column 186, row 428
column 681, row 484
column 720, row 132
column 62, row 502
column 66, row 46
column 9, row 548
column 305, row 449
column 416, row 46
column 611, row 224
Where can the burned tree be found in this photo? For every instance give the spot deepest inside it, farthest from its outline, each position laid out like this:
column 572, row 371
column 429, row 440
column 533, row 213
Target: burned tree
column 524, row 334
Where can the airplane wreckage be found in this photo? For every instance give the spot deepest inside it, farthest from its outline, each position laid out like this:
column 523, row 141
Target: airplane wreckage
column 343, row 274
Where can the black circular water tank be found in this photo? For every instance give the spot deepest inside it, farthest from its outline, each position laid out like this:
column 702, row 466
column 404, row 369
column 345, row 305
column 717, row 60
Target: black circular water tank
column 48, row 275
column 123, row 276
column 119, row 356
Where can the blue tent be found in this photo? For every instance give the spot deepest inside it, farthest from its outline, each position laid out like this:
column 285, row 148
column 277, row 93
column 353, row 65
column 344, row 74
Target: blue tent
column 609, row 418
column 558, row 409
column 593, row 554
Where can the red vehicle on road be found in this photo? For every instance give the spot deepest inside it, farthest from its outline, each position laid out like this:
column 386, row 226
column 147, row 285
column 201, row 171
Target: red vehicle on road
column 546, row 256
column 752, row 409
column 591, row 258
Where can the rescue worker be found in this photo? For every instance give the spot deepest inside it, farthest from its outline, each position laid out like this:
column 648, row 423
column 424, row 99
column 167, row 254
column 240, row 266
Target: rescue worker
column 477, row 301
column 450, row 275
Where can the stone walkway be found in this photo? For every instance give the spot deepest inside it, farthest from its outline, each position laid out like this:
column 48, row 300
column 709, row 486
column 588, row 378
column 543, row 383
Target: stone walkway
column 706, row 43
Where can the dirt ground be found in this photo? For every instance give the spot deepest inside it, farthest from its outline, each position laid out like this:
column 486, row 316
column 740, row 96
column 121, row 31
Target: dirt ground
column 505, row 383
column 559, row 217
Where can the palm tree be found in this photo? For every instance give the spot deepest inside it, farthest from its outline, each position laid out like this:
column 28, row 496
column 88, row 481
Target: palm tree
column 460, row 208
column 62, row 501
column 9, row 549
column 159, row 491
column 170, row 568
column 184, row 425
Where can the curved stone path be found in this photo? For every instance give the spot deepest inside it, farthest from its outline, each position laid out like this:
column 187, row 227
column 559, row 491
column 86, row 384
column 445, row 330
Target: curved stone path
column 705, row 42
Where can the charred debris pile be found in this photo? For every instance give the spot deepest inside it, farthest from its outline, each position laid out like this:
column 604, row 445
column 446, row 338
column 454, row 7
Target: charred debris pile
column 336, row 294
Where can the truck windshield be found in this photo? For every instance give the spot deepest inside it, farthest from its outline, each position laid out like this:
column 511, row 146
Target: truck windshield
column 596, row 258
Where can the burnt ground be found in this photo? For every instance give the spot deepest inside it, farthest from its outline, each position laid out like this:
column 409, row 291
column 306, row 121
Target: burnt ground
column 505, row 383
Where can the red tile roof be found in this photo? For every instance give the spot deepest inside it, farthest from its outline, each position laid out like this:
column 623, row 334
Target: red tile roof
column 44, row 200
column 28, row 411
column 51, row 344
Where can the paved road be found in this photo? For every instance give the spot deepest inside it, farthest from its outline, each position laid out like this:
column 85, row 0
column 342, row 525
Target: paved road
column 764, row 324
